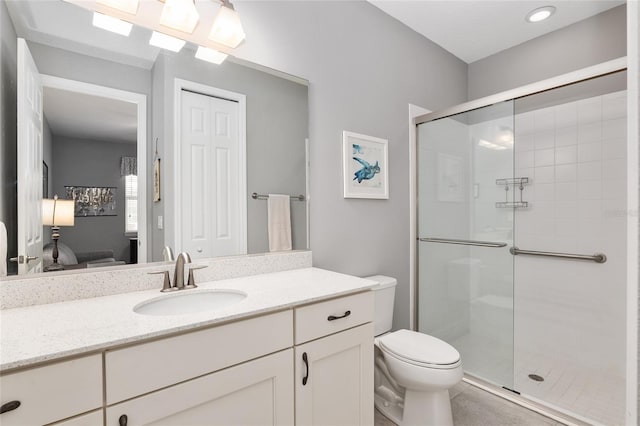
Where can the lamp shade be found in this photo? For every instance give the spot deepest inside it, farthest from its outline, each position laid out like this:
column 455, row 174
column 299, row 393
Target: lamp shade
column 57, row 212
column 180, row 15
column 226, row 28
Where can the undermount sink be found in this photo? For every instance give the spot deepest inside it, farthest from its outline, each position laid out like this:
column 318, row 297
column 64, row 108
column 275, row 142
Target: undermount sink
column 189, row 302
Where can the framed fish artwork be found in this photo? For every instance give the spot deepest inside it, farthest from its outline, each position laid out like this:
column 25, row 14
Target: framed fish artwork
column 365, row 166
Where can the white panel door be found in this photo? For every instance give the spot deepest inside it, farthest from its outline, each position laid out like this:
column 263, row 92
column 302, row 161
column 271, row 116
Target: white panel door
column 257, row 393
column 338, row 389
column 29, row 163
column 210, row 165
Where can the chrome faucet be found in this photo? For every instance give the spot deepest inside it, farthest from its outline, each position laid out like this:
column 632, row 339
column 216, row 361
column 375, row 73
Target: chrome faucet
column 178, row 273
column 167, row 254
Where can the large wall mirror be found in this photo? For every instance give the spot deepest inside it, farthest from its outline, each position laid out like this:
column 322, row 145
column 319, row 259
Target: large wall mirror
column 158, row 149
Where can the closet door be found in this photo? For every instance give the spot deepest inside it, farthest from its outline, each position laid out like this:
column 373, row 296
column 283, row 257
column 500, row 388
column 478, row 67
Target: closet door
column 210, row 192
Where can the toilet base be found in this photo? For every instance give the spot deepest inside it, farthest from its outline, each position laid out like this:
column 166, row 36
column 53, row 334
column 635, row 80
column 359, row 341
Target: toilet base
column 427, row 409
column 391, row 410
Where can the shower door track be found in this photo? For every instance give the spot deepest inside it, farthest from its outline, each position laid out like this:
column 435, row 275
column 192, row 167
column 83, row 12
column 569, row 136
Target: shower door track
column 588, row 73
column 524, row 401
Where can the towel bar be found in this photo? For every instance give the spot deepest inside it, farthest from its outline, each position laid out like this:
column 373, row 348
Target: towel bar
column 257, row 196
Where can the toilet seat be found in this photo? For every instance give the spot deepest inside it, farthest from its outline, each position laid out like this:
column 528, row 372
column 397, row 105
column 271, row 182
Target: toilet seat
column 419, row 349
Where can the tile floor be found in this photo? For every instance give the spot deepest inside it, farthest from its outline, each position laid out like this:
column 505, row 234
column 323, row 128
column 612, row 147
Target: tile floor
column 474, row 407
column 596, row 395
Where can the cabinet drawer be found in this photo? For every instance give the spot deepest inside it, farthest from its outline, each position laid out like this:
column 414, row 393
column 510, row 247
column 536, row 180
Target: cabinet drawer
column 149, row 366
column 259, row 392
column 52, row 392
column 321, row 319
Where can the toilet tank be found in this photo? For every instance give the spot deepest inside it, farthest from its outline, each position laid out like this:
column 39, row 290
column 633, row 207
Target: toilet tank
column 384, row 295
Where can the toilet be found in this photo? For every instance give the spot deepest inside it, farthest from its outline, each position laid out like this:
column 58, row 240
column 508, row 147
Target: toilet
column 413, row 371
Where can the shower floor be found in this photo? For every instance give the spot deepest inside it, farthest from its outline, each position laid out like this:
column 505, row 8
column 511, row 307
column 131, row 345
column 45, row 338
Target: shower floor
column 585, row 393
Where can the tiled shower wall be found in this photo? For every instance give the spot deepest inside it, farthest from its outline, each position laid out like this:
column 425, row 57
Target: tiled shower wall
column 570, row 315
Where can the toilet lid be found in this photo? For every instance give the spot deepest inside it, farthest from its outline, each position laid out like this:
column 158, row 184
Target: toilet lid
column 419, row 348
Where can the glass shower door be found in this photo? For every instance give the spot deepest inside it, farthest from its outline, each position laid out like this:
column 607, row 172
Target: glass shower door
column 466, row 197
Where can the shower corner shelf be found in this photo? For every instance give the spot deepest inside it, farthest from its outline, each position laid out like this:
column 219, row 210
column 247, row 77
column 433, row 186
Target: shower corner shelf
column 510, row 204
column 517, row 182
column 513, row 181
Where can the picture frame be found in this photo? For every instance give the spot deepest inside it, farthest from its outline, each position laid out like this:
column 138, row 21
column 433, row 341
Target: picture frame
column 92, row 201
column 365, row 166
column 156, row 180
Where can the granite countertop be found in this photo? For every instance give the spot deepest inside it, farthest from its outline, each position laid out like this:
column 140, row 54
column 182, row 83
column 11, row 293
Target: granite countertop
column 35, row 334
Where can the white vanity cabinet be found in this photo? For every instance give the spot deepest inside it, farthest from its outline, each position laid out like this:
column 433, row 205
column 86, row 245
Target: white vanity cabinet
column 52, row 392
column 334, row 362
column 234, row 374
column 307, row 365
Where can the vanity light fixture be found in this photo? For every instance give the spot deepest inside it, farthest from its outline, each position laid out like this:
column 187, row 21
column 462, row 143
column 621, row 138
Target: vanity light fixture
column 210, row 55
column 129, row 6
column 227, row 28
column 181, row 15
column 540, row 14
column 112, row 24
column 166, row 42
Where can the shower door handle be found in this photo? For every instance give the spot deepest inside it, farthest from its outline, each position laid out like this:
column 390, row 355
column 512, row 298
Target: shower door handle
column 597, row 257
column 463, row 242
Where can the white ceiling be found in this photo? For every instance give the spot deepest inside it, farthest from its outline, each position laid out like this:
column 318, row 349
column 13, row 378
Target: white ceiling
column 71, row 114
column 81, row 116
column 472, row 30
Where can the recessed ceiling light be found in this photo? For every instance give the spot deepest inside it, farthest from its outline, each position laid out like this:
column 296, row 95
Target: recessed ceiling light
column 109, row 23
column 210, row 55
column 540, row 14
column 166, row 42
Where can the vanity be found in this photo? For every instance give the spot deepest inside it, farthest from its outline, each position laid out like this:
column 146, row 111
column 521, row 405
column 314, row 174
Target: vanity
column 298, row 349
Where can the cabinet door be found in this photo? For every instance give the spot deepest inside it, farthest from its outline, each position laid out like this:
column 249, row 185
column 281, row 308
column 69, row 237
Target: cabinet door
column 338, row 389
column 258, row 392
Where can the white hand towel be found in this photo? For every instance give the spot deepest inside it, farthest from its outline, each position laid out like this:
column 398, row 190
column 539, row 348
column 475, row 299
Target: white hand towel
column 3, row 250
column 279, row 222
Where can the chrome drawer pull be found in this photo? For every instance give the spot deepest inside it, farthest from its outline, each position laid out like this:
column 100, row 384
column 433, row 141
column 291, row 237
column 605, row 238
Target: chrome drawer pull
column 333, row 317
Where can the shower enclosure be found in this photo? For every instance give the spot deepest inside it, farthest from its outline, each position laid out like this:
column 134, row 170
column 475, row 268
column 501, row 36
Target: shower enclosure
column 522, row 243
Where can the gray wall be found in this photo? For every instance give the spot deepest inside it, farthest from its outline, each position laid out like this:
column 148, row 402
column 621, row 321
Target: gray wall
column 633, row 88
column 157, row 129
column 92, row 163
column 47, row 157
column 277, row 126
column 8, row 133
column 364, row 68
column 585, row 43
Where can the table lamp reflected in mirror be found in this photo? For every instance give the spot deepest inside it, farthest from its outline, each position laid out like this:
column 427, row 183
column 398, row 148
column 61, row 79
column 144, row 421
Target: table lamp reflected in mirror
column 57, row 213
